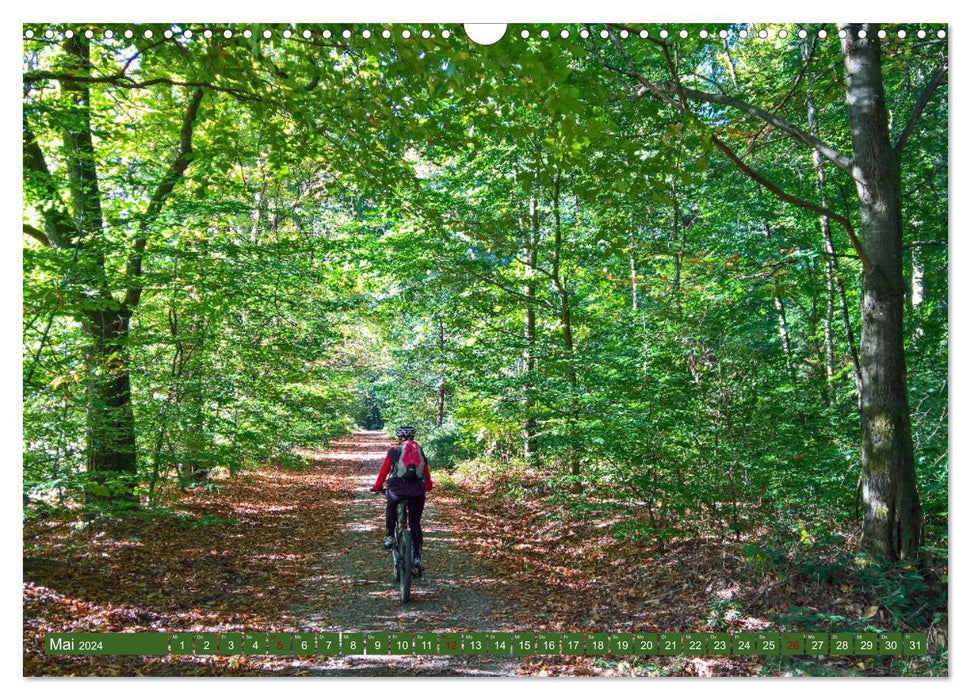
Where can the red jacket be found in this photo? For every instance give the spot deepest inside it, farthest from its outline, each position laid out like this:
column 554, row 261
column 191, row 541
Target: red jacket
column 386, row 469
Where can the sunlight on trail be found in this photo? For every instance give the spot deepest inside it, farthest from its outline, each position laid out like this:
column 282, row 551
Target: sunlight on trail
column 355, row 571
column 351, row 456
column 262, row 509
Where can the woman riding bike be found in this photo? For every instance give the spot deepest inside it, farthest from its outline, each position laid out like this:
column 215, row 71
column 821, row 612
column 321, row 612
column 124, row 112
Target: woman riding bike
column 405, row 476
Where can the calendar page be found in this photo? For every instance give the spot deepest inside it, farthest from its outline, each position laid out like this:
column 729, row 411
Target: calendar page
column 440, row 349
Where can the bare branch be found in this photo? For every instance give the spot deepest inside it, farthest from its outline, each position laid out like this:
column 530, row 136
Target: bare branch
column 841, row 161
column 504, row 287
column 122, row 80
column 922, row 101
column 664, row 90
column 786, row 98
column 792, row 199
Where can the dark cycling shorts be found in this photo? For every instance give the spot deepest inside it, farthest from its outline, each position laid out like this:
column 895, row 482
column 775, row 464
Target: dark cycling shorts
column 403, row 488
column 412, row 491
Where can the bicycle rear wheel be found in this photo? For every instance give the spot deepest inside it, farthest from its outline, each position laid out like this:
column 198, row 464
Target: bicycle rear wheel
column 396, row 562
column 406, row 560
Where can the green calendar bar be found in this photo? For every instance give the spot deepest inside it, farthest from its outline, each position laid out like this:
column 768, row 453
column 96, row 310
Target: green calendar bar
column 645, row 644
column 864, row 644
column 254, row 643
column 500, row 643
column 745, row 644
column 769, row 643
column 572, row 644
column 450, row 643
column 793, row 644
column 915, row 644
column 670, row 643
column 891, row 644
column 719, row 644
column 230, row 644
column 376, row 643
column 303, row 644
column 180, row 643
column 402, row 644
column 621, row 644
column 547, row 643
column 696, row 643
column 475, row 643
column 108, row 644
column 352, row 644
column 841, row 644
column 817, row 643
column 426, row 644
column 523, row 643
column 598, row 644
column 279, row 643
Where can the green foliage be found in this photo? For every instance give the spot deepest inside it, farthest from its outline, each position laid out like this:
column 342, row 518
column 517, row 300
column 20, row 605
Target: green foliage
column 351, row 243
column 443, row 444
column 913, row 599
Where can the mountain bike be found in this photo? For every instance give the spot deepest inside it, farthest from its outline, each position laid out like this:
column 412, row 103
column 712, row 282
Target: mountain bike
column 403, row 554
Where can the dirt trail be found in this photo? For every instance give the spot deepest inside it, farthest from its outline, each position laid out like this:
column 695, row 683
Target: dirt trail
column 457, row 592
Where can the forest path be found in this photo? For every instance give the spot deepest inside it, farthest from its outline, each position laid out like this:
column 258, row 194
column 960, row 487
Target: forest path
column 273, row 549
column 455, row 594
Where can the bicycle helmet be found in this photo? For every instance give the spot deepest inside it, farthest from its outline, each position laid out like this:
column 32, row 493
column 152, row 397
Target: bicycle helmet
column 405, row 432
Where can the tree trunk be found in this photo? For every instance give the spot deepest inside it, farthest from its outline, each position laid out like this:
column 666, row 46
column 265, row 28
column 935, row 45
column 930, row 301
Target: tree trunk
column 530, row 453
column 111, row 456
column 834, row 281
column 892, row 515
column 632, row 255
column 111, row 447
column 677, row 235
column 780, row 306
column 828, row 251
column 566, row 326
column 442, row 386
column 916, row 279
column 110, row 422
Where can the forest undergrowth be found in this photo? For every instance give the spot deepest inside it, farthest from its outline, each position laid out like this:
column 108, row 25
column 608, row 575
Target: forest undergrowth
column 594, row 562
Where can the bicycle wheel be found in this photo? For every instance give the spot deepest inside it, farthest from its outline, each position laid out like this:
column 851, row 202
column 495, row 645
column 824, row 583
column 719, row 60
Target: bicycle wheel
column 406, row 558
column 395, row 551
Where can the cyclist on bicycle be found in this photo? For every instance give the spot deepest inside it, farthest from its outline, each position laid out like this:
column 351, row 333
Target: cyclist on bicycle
column 405, row 475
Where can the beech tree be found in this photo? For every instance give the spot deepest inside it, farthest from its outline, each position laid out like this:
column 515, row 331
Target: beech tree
column 892, row 517
column 79, row 227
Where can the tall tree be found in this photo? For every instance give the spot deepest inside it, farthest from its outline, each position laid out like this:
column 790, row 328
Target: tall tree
column 892, row 515
column 892, row 519
column 111, row 449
